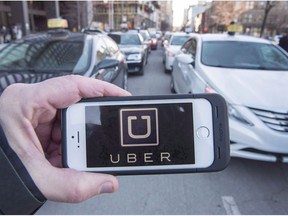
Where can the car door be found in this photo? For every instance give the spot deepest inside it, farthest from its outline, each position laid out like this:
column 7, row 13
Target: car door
column 196, row 81
column 119, row 76
column 103, row 52
column 183, row 69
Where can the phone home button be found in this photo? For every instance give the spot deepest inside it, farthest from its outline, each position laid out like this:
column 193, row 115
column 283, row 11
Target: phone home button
column 203, row 132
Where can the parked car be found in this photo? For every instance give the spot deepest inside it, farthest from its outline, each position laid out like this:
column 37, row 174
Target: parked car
column 58, row 52
column 252, row 75
column 132, row 45
column 171, row 47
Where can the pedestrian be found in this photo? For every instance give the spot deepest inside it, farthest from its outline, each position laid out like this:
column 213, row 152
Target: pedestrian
column 18, row 32
column 283, row 42
column 30, row 145
column 1, row 35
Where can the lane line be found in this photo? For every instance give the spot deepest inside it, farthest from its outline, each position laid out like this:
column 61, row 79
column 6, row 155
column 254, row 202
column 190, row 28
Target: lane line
column 230, row 205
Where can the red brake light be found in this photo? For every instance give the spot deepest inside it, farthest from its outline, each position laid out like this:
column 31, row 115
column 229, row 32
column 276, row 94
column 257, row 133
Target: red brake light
column 170, row 54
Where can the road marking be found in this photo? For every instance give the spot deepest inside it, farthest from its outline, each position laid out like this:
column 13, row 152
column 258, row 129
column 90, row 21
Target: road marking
column 230, row 205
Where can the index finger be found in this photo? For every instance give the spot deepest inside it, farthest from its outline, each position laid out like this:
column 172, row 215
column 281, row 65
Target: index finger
column 72, row 88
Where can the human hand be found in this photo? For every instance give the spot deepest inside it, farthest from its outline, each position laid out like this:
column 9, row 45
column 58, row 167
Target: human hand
column 30, row 118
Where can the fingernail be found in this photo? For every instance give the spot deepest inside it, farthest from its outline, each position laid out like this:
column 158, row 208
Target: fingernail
column 107, row 187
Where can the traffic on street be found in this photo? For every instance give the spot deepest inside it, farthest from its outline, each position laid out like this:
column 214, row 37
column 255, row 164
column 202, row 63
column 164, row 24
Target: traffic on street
column 244, row 187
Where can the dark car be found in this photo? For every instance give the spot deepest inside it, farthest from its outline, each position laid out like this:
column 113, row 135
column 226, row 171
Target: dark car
column 132, row 45
column 37, row 57
column 147, row 38
column 154, row 41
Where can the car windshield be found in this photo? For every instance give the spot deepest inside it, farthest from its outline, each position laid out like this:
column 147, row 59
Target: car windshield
column 243, row 55
column 48, row 55
column 144, row 35
column 153, row 35
column 126, row 39
column 178, row 40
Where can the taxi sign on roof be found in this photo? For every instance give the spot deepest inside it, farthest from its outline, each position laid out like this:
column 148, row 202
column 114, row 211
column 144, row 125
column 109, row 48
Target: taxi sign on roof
column 235, row 28
column 57, row 23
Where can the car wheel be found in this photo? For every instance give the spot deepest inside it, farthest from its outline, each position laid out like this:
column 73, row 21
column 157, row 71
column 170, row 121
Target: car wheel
column 141, row 72
column 167, row 71
column 172, row 88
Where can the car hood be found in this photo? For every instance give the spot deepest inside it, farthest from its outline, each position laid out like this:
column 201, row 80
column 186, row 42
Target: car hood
column 131, row 48
column 8, row 78
column 253, row 88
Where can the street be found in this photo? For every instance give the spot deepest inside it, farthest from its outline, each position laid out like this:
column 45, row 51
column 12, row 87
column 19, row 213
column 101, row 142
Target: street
column 244, row 187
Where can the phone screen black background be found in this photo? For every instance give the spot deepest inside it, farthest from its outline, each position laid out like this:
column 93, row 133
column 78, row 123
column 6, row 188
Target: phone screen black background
column 103, row 136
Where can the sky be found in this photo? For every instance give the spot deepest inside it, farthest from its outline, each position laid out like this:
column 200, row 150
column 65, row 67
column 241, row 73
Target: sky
column 178, row 10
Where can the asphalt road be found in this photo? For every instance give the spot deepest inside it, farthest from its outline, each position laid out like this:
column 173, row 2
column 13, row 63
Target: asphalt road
column 244, row 187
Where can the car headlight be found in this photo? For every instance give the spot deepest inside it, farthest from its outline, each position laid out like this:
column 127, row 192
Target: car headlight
column 236, row 115
column 137, row 56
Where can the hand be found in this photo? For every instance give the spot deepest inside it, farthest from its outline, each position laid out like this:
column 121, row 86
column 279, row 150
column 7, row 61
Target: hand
column 30, row 118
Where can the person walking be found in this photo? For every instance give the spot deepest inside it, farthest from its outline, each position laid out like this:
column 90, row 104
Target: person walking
column 283, row 42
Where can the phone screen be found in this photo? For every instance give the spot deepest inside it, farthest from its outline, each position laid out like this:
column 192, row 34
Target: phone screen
column 139, row 135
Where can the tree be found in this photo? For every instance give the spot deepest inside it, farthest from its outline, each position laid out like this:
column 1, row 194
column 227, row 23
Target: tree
column 268, row 7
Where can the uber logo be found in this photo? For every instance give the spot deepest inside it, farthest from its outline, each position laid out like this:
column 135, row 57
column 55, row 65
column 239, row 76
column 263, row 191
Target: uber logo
column 139, row 127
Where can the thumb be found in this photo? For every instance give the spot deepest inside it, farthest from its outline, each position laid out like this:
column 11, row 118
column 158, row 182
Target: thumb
column 67, row 185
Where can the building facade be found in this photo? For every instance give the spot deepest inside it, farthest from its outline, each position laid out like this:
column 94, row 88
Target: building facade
column 166, row 15
column 137, row 14
column 250, row 15
column 32, row 16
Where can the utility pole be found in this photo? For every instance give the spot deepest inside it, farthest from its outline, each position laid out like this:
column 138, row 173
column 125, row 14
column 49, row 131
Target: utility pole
column 111, row 14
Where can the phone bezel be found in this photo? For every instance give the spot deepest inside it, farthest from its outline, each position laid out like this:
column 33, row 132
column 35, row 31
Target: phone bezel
column 75, row 124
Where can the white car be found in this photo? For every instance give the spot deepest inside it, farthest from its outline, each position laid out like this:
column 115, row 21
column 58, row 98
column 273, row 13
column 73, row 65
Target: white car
column 252, row 75
column 172, row 47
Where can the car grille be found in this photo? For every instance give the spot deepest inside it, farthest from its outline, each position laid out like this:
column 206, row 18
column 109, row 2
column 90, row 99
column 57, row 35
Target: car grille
column 277, row 121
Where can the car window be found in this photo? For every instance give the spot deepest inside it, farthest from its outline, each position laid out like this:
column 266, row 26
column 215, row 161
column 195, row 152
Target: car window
column 51, row 55
column 111, row 46
column 145, row 35
column 243, row 55
column 16, row 52
column 102, row 51
column 126, row 39
column 190, row 48
column 273, row 55
column 130, row 39
column 178, row 40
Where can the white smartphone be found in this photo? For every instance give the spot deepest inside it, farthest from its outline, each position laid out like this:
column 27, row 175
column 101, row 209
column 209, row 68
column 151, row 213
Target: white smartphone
column 142, row 135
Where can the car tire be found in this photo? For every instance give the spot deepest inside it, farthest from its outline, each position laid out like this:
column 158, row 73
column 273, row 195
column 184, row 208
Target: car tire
column 141, row 72
column 172, row 88
column 167, row 71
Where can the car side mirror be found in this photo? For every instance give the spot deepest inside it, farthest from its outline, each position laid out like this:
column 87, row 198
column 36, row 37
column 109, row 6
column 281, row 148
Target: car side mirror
column 185, row 58
column 146, row 42
column 165, row 43
column 106, row 63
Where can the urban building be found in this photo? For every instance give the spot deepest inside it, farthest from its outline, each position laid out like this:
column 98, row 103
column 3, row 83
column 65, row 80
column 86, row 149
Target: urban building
column 136, row 14
column 166, row 15
column 250, row 14
column 32, row 16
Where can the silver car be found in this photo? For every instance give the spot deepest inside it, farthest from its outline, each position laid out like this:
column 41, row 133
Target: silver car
column 252, row 75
